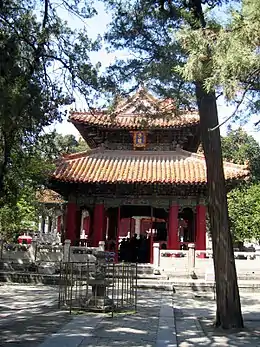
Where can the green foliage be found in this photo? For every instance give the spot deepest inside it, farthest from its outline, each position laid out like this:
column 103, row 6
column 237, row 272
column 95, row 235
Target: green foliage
column 53, row 145
column 26, row 175
column 82, row 145
column 20, row 217
column 147, row 29
column 244, row 212
column 34, row 42
column 244, row 201
column 242, row 148
column 43, row 61
column 234, row 63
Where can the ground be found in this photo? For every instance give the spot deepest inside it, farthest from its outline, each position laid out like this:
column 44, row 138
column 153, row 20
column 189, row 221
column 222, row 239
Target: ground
column 29, row 317
column 194, row 315
column 28, row 314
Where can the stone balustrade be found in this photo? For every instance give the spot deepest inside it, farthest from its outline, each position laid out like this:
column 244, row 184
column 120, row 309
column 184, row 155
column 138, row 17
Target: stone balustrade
column 38, row 252
column 187, row 262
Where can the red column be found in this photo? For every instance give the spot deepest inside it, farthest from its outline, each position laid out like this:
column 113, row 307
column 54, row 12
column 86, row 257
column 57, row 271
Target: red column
column 71, row 222
column 104, row 236
column 99, row 222
column 201, row 227
column 173, row 239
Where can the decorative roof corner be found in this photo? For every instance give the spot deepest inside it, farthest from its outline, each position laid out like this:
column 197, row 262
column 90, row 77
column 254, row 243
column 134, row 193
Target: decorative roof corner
column 48, row 196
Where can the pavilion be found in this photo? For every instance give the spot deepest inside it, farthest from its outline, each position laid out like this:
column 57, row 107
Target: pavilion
column 141, row 175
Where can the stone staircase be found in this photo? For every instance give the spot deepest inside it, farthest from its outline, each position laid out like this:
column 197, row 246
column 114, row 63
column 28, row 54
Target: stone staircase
column 147, row 277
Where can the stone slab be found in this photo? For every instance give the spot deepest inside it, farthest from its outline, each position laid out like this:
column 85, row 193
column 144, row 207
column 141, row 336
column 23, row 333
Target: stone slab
column 72, row 334
column 166, row 336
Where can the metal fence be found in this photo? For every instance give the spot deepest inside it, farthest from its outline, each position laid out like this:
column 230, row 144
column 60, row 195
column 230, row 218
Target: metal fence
column 105, row 287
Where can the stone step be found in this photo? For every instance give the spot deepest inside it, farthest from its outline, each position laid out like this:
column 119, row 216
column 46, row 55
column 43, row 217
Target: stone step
column 23, row 277
column 145, row 272
column 179, row 285
column 17, row 266
column 187, row 285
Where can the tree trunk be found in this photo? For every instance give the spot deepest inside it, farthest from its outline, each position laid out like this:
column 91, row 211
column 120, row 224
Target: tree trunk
column 228, row 313
column 7, row 149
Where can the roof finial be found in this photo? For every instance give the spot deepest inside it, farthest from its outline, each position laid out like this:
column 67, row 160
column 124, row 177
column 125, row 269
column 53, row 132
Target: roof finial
column 141, row 87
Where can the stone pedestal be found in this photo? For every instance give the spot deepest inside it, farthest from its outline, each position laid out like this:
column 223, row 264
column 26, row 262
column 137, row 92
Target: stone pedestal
column 99, row 301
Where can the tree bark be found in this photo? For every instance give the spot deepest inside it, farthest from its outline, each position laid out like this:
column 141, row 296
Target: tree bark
column 7, row 149
column 228, row 314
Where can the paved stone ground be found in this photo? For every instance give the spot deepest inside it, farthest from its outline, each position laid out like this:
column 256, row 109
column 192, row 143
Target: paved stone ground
column 28, row 314
column 29, row 317
column 194, row 317
column 151, row 326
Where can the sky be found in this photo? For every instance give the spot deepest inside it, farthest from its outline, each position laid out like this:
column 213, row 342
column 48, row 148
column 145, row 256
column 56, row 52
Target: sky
column 98, row 25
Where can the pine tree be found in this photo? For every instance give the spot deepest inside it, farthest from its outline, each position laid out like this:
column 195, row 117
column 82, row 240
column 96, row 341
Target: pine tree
column 151, row 31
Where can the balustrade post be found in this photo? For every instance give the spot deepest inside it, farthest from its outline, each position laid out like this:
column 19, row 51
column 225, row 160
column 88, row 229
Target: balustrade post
column 191, row 258
column 34, row 250
column 156, row 256
column 101, row 245
column 66, row 251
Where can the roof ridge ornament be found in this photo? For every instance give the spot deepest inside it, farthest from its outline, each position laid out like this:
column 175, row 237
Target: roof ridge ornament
column 141, row 87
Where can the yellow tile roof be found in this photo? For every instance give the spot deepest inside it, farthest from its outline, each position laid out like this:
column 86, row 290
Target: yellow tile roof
column 107, row 166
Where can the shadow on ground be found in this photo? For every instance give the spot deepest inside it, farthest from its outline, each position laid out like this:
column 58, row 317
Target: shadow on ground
column 194, row 315
column 28, row 315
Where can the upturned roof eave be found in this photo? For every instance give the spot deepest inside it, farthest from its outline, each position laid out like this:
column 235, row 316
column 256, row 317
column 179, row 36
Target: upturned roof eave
column 133, row 126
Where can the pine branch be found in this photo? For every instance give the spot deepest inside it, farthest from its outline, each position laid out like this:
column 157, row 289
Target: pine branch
column 233, row 113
